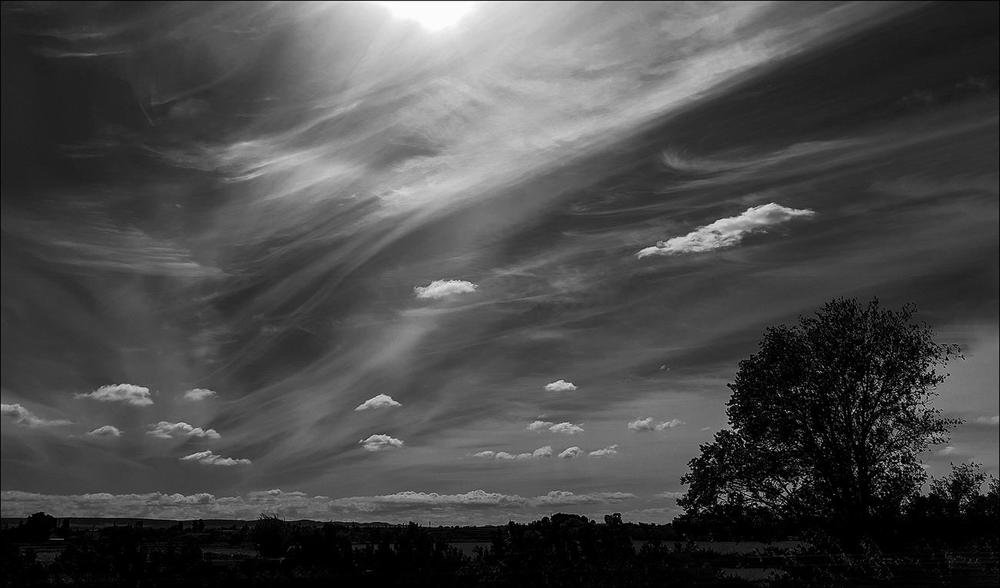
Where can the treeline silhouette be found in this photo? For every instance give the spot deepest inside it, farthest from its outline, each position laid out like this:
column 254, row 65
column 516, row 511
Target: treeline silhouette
column 955, row 508
column 947, row 536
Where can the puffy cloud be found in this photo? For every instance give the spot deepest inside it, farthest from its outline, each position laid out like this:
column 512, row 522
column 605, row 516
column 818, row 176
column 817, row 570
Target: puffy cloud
column 669, row 424
column 560, row 386
column 726, row 232
column 380, row 443
column 985, row 420
column 209, row 458
column 949, row 450
column 539, row 425
column 672, row 495
column 564, row 498
column 106, row 431
column 23, row 416
column 545, row 451
column 566, row 428
column 647, row 424
column 380, row 401
column 167, row 430
column 127, row 393
column 292, row 504
column 606, row 452
column 197, row 394
column 542, row 452
column 444, row 288
column 166, row 506
column 571, row 452
column 422, row 500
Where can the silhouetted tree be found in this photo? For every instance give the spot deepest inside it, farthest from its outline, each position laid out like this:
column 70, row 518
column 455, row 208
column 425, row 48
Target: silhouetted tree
column 270, row 535
column 958, row 492
column 38, row 527
column 827, row 419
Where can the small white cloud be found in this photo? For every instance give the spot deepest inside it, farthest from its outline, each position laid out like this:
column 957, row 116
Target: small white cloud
column 106, row 431
column 726, row 232
column 380, row 443
column 645, row 424
column 542, row 452
column 672, row 495
column 669, row 424
column 380, row 401
column 209, row 458
column 197, row 394
column 539, row 425
column 444, row 288
column 23, row 416
column 949, row 450
column 985, row 420
column 560, row 386
column 505, row 456
column 606, row 452
column 167, row 430
column 566, row 428
column 571, row 452
column 428, row 500
column 127, row 393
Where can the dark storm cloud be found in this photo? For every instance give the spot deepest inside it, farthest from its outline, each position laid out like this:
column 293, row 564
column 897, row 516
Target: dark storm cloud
column 303, row 206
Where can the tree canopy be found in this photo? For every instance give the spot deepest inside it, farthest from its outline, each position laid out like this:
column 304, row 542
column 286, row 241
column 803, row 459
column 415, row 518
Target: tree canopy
column 827, row 418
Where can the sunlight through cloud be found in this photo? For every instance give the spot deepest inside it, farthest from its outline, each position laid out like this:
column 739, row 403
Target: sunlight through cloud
column 433, row 16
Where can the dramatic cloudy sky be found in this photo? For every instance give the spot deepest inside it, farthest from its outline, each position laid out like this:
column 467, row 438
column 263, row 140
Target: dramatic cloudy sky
column 325, row 261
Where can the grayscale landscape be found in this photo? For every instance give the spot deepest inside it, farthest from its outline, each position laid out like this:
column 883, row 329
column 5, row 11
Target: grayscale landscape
column 500, row 294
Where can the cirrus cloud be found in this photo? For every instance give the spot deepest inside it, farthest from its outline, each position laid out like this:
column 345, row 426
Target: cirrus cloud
column 127, row 393
column 726, row 232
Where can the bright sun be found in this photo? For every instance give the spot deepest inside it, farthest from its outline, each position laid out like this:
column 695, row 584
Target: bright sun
column 433, row 16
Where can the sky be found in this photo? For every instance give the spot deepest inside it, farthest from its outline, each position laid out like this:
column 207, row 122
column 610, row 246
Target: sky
column 328, row 261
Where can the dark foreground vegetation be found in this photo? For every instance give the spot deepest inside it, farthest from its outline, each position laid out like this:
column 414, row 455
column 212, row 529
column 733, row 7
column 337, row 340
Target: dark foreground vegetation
column 947, row 537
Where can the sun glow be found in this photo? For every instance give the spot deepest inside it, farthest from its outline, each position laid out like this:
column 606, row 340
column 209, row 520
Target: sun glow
column 433, row 16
